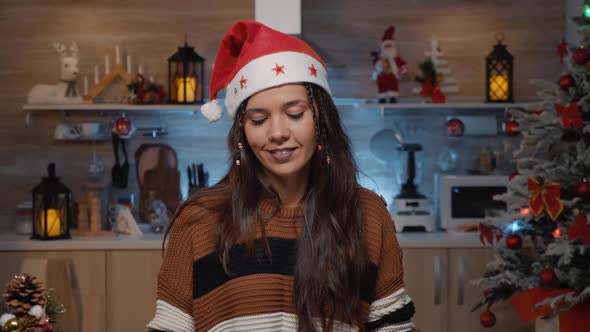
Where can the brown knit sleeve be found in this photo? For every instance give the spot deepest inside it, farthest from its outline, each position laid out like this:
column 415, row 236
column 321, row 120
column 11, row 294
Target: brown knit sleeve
column 383, row 247
column 175, row 281
column 391, row 308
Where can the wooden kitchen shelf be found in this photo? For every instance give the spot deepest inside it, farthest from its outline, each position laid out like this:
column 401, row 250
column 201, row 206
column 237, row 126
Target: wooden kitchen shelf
column 111, row 108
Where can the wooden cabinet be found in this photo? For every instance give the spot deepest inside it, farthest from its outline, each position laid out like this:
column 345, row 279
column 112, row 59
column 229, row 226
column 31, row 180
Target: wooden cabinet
column 132, row 277
column 439, row 282
column 78, row 278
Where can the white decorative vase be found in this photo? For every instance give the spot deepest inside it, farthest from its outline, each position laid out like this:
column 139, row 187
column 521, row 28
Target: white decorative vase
column 547, row 325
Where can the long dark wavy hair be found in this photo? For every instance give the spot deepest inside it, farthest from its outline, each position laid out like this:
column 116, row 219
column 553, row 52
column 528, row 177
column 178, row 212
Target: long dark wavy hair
column 331, row 253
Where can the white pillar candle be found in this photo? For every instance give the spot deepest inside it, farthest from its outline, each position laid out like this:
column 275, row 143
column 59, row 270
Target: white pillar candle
column 95, row 75
column 85, row 85
column 151, row 79
column 107, row 65
column 140, row 70
column 129, row 64
column 117, row 55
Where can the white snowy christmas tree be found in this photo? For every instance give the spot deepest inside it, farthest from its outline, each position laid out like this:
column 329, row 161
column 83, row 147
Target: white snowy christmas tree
column 448, row 83
column 548, row 201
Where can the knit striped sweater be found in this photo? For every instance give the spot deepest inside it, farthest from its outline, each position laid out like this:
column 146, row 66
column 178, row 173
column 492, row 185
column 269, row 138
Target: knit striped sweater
column 195, row 294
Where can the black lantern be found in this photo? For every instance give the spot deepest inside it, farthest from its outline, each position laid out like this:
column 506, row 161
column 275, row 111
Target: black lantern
column 52, row 208
column 186, row 75
column 499, row 73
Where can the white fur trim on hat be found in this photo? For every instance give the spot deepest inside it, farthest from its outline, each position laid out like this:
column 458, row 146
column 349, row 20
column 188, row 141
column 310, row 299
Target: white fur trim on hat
column 273, row 70
column 212, row 110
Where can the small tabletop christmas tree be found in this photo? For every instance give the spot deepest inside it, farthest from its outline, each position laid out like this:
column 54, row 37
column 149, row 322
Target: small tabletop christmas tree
column 550, row 197
column 28, row 307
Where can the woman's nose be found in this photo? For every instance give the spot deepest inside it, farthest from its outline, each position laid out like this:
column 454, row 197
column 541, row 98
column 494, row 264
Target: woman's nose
column 278, row 130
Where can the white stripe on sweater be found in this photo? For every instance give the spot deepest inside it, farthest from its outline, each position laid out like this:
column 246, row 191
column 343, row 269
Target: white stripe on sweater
column 170, row 318
column 403, row 327
column 272, row 322
column 388, row 304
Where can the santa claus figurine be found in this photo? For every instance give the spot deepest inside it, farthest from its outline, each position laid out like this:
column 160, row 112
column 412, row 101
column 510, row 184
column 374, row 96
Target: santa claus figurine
column 388, row 68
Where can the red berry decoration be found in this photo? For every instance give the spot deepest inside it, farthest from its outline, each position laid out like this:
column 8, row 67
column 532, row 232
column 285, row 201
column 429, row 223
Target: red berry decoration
column 548, row 276
column 584, row 190
column 122, row 126
column 487, row 319
column 455, row 127
column 514, row 242
column 512, row 128
column 581, row 56
column 566, row 81
column 488, row 292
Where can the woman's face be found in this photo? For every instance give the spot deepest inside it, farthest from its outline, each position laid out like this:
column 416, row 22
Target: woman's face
column 280, row 130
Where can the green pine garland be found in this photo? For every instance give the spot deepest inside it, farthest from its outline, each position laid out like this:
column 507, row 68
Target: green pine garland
column 3, row 308
column 428, row 72
column 54, row 309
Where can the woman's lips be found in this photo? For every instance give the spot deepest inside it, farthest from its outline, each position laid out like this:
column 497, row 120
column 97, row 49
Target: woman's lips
column 282, row 154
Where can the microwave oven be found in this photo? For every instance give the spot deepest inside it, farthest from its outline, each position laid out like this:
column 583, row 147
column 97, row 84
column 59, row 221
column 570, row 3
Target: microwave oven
column 466, row 200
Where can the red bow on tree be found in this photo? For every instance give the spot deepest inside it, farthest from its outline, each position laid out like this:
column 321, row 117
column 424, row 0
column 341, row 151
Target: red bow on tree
column 488, row 234
column 570, row 116
column 429, row 89
column 545, row 196
column 579, row 229
column 562, row 50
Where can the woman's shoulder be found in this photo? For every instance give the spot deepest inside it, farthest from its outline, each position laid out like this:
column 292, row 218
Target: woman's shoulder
column 200, row 208
column 369, row 199
column 374, row 210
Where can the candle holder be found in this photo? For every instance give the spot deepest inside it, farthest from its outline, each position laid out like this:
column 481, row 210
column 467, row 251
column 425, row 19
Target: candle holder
column 186, row 75
column 52, row 208
column 499, row 73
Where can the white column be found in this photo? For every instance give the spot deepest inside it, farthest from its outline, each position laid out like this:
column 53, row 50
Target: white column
column 573, row 8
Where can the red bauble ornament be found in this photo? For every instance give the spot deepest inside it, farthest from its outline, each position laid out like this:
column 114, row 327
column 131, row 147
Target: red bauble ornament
column 455, row 127
column 548, row 276
column 583, row 190
column 512, row 128
column 514, row 242
column 122, row 126
column 566, row 81
column 487, row 319
column 581, row 56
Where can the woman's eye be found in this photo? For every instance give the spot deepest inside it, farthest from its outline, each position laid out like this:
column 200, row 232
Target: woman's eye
column 296, row 115
column 257, row 122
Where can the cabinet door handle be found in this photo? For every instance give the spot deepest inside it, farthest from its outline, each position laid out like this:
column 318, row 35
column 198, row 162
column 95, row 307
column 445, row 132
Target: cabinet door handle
column 437, row 280
column 460, row 280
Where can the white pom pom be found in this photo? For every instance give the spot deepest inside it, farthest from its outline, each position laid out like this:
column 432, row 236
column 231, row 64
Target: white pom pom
column 212, row 110
column 5, row 318
column 36, row 311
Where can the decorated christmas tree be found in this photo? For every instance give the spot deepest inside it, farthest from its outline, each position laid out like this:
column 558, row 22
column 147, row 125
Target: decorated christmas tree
column 542, row 260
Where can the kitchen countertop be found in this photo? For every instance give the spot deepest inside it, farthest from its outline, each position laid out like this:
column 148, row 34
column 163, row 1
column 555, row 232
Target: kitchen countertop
column 151, row 241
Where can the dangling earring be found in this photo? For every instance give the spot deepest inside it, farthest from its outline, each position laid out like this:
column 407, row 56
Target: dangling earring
column 239, row 154
column 320, row 148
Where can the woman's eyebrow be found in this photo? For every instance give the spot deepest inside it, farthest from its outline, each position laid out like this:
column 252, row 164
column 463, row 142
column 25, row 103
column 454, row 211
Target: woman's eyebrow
column 256, row 110
column 294, row 103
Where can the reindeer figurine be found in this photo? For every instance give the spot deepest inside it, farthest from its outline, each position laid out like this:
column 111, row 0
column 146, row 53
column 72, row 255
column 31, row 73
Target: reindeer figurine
column 66, row 91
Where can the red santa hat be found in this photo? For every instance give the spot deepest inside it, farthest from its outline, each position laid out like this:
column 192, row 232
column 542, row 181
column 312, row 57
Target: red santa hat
column 388, row 35
column 253, row 57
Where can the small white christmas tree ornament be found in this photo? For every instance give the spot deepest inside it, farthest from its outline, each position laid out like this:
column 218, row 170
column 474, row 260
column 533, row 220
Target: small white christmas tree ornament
column 448, row 83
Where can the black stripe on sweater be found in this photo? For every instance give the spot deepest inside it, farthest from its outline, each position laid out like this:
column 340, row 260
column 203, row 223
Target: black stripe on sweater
column 401, row 315
column 208, row 273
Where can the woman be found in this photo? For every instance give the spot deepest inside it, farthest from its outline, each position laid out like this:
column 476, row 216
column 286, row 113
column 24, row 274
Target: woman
column 287, row 240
